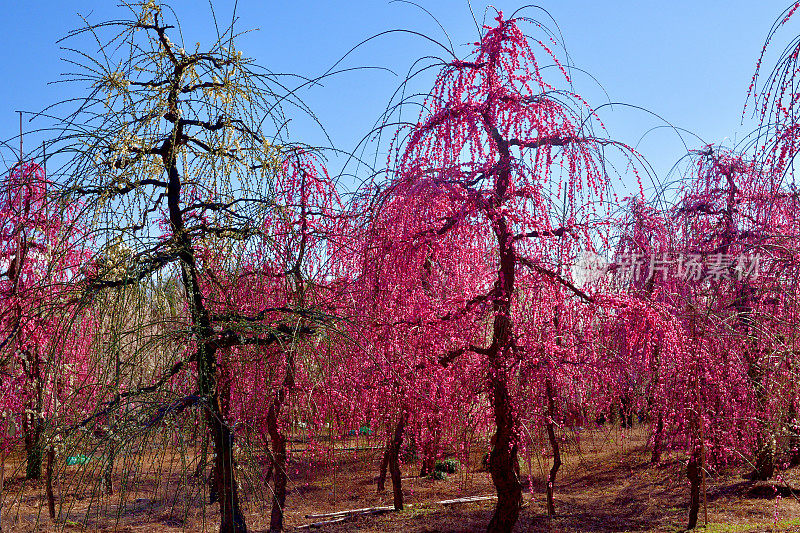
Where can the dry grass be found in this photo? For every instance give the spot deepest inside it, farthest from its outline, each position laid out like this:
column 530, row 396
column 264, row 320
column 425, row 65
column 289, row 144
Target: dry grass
column 606, row 484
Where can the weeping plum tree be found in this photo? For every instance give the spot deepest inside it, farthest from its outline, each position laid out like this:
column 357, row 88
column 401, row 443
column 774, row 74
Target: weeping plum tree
column 169, row 155
column 411, row 359
column 728, row 215
column 42, row 253
column 28, row 232
column 774, row 94
column 463, row 293
column 496, row 150
column 277, row 287
column 696, row 306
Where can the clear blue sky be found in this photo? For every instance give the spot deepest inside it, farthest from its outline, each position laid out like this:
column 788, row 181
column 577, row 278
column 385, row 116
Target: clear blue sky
column 689, row 61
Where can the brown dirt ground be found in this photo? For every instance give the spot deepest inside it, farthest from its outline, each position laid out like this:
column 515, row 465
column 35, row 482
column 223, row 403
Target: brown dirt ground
column 606, row 484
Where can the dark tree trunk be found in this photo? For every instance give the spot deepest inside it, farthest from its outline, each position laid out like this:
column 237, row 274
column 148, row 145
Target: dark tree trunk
column 764, row 453
column 397, row 486
column 625, row 414
column 694, row 473
column 31, row 422
column 203, row 460
column 658, row 431
column 33, row 448
column 384, row 467
column 392, row 454
column 394, row 462
column 278, row 440
column 764, row 465
column 503, row 464
column 279, row 474
column 225, row 486
column 613, row 415
column 430, row 449
column 764, row 460
column 794, row 451
column 106, row 482
column 428, row 465
column 51, row 499
column 794, row 439
column 551, row 435
column 231, row 518
column 658, row 435
column 224, row 472
column 2, row 485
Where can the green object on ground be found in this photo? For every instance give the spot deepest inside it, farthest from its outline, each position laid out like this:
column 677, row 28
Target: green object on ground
column 78, row 460
column 437, row 475
column 448, row 466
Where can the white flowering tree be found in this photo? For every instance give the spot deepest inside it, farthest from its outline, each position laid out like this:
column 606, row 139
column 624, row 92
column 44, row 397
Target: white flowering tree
column 169, row 155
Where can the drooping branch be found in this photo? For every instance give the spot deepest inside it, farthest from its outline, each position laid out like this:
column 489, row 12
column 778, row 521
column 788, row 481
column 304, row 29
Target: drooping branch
column 282, row 333
column 556, row 277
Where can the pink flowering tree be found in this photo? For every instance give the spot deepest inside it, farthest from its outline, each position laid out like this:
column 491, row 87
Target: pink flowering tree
column 692, row 322
column 499, row 159
column 773, row 96
column 410, row 312
column 277, row 291
column 43, row 251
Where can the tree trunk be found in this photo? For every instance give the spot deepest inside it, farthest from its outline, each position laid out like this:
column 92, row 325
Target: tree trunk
column 397, row 486
column 613, row 415
column 658, row 435
column 793, row 446
column 390, row 450
column 626, row 414
column 106, row 482
column 693, row 472
column 224, row 475
column 383, row 469
column 503, row 466
column 278, row 440
column 428, row 465
column 430, row 449
column 203, row 460
column 51, row 499
column 658, row 432
column 2, row 484
column 764, row 467
column 551, row 435
column 394, row 462
column 279, row 473
column 231, row 518
column 33, row 447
